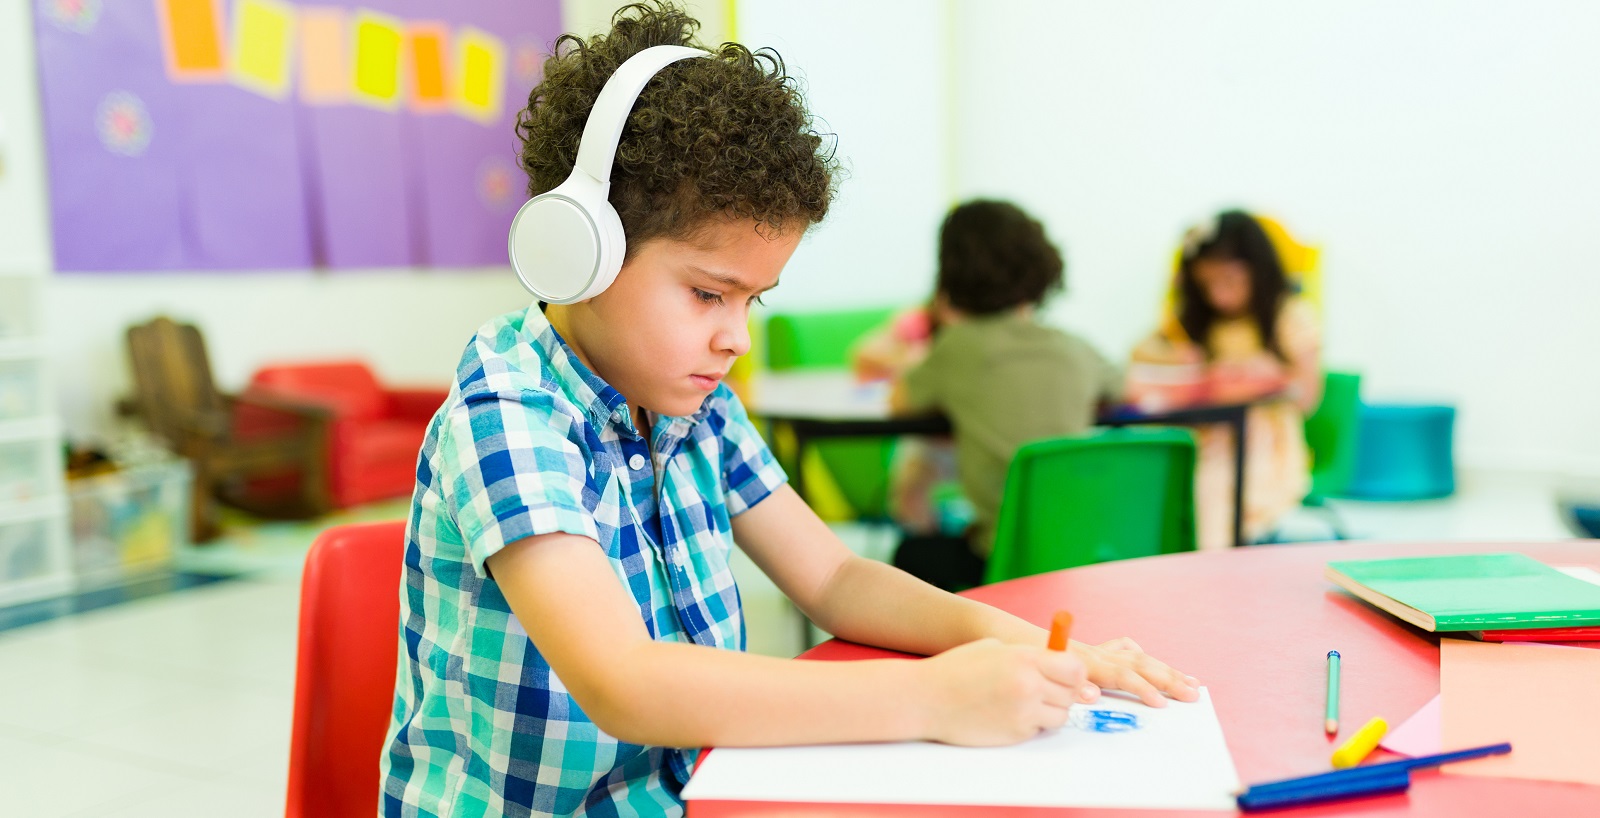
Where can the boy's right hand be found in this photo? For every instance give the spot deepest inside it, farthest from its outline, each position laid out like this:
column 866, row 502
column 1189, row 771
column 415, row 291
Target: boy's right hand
column 988, row 693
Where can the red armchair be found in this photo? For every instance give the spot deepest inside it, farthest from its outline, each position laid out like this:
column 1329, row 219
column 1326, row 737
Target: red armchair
column 375, row 432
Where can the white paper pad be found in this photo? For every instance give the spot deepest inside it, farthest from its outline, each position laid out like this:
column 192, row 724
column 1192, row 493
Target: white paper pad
column 1176, row 760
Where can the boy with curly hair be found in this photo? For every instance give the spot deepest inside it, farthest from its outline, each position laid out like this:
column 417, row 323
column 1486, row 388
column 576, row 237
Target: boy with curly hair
column 570, row 627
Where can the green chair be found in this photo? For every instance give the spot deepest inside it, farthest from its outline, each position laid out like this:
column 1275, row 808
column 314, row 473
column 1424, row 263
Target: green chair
column 823, row 340
column 1108, row 495
column 1332, row 434
column 819, row 340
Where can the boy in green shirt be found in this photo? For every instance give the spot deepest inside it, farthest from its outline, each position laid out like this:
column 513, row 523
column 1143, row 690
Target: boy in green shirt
column 1001, row 377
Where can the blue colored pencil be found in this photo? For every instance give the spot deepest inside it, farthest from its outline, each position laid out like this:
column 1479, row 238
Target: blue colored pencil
column 1405, row 765
column 1273, row 798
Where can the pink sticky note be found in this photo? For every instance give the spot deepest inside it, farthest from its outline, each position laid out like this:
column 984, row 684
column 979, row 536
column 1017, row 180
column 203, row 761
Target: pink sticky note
column 1420, row 735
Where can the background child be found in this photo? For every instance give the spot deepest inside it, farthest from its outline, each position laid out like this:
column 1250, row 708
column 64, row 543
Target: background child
column 924, row 500
column 1237, row 318
column 1002, row 378
column 570, row 626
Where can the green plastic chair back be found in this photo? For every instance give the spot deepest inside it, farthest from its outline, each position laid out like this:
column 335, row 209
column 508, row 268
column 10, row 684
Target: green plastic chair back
column 819, row 340
column 1108, row 495
column 1332, row 434
column 822, row 340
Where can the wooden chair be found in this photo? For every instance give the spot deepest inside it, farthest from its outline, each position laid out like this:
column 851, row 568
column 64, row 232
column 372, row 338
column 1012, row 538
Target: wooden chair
column 277, row 470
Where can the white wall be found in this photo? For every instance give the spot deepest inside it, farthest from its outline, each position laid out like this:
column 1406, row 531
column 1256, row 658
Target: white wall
column 24, row 232
column 1442, row 153
column 873, row 75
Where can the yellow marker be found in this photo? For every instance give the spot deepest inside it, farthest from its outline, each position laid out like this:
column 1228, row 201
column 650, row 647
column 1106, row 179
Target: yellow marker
column 1351, row 752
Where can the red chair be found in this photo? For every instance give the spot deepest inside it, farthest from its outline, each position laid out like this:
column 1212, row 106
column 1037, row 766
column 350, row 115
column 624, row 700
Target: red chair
column 345, row 673
column 375, row 433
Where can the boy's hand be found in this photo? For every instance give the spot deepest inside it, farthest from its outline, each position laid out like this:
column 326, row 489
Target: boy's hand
column 1122, row 665
column 987, row 693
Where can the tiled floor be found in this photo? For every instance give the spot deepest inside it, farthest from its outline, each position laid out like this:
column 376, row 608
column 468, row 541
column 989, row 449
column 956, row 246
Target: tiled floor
column 179, row 705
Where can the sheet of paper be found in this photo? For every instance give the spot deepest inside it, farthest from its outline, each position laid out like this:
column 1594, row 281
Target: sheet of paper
column 1541, row 698
column 1588, row 575
column 1175, row 759
column 1419, row 735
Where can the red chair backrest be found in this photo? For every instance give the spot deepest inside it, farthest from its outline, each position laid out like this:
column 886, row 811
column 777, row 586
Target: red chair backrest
column 347, row 387
column 344, row 678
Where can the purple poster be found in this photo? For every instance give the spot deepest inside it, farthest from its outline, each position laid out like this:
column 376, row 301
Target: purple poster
column 149, row 175
column 270, row 134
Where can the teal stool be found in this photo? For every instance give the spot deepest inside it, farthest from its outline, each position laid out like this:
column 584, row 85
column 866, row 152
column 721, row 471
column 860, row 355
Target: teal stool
column 1405, row 452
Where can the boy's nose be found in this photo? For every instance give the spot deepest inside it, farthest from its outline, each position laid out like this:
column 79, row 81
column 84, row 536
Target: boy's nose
column 734, row 338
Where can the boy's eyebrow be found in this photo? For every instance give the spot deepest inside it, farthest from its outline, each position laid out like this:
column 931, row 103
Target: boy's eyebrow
column 731, row 281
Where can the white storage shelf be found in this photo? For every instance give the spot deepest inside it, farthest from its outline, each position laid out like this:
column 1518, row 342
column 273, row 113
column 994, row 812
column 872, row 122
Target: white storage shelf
column 34, row 551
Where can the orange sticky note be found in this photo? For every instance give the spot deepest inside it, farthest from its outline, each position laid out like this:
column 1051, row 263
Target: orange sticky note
column 324, row 56
column 426, row 43
column 263, row 40
column 480, row 74
column 1060, row 630
column 378, row 40
column 1541, row 698
column 191, row 39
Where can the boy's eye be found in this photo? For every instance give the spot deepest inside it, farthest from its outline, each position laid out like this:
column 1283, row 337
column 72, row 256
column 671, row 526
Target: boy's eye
column 756, row 299
column 706, row 297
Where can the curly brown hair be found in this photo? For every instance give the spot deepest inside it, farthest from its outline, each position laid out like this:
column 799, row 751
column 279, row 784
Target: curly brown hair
column 725, row 136
column 993, row 256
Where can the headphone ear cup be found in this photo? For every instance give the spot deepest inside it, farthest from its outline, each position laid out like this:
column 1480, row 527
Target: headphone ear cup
column 562, row 241
column 613, row 244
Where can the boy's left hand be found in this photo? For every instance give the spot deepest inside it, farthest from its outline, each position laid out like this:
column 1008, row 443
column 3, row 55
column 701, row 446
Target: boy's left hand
column 1121, row 664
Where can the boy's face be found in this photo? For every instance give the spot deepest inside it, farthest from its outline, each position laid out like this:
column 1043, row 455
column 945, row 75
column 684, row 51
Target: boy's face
column 669, row 328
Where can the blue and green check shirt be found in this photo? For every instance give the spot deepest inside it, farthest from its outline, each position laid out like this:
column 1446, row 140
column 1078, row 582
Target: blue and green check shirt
column 531, row 442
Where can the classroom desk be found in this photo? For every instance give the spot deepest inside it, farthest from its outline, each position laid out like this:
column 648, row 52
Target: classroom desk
column 825, row 404
column 1255, row 625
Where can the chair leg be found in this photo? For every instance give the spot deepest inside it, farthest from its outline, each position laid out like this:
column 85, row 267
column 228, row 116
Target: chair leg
column 202, row 505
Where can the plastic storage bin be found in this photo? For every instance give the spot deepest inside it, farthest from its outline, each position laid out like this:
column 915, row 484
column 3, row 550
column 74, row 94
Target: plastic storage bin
column 19, row 390
column 1405, row 452
column 24, row 550
column 131, row 521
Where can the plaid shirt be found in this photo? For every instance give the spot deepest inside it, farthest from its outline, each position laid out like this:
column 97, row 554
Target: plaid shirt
column 531, row 442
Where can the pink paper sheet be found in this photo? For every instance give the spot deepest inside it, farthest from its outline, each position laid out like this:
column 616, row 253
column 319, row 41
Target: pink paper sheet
column 1541, row 698
column 1420, row 735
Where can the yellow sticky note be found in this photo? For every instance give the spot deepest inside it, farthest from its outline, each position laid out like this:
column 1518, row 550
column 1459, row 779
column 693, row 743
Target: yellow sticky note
column 263, row 42
column 191, row 39
column 480, row 74
column 378, row 41
column 426, row 47
column 324, row 56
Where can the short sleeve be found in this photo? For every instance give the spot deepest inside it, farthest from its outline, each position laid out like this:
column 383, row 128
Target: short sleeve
column 923, row 381
column 510, row 469
column 749, row 471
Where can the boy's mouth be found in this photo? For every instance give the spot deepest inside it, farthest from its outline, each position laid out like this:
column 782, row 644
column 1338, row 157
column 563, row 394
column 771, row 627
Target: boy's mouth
column 707, row 382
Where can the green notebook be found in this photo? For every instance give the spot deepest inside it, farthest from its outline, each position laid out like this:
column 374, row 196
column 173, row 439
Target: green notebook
column 1471, row 592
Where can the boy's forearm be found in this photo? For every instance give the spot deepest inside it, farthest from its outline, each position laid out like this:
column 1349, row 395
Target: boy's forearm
column 877, row 604
column 682, row 695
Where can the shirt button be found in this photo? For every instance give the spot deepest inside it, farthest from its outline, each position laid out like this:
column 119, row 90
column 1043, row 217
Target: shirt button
column 636, row 462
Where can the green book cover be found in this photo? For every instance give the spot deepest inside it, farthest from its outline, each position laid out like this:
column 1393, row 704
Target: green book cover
column 1471, row 592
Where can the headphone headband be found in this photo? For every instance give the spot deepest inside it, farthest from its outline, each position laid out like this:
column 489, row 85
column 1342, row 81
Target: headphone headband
column 603, row 129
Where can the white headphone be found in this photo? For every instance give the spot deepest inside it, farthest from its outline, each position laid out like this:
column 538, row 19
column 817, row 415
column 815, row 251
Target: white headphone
column 567, row 244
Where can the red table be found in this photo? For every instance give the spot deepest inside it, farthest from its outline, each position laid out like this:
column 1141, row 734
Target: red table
column 1255, row 625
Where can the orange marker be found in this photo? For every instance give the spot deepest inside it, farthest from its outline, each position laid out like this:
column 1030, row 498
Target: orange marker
column 1060, row 629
